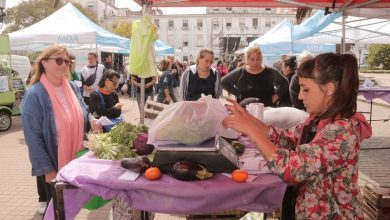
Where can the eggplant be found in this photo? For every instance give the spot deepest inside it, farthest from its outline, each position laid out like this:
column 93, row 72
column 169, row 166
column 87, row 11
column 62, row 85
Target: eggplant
column 188, row 171
column 238, row 147
column 136, row 164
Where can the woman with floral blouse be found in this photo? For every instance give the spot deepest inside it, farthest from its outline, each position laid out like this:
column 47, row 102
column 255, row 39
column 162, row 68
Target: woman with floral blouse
column 320, row 155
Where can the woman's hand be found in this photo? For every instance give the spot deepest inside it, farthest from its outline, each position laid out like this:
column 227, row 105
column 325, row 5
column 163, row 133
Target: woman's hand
column 50, row 176
column 239, row 119
column 118, row 105
column 96, row 127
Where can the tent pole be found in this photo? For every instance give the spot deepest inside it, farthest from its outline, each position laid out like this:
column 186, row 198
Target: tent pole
column 292, row 40
column 343, row 34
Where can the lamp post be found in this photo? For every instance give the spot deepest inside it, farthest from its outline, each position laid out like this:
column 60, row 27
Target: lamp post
column 2, row 14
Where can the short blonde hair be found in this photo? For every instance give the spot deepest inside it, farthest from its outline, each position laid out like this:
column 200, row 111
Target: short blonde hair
column 38, row 68
column 202, row 54
column 252, row 50
column 304, row 56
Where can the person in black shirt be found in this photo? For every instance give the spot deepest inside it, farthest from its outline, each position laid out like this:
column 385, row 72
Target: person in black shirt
column 288, row 69
column 149, row 83
column 256, row 80
column 294, row 87
column 200, row 78
column 104, row 101
column 165, row 84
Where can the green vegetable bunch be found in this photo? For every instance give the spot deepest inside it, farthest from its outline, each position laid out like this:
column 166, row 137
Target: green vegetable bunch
column 116, row 144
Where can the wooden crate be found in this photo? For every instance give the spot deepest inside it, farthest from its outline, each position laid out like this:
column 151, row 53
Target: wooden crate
column 378, row 196
column 152, row 109
column 376, row 202
column 374, row 213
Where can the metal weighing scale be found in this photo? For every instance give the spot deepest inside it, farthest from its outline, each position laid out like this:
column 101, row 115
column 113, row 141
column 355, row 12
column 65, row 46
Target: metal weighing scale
column 216, row 154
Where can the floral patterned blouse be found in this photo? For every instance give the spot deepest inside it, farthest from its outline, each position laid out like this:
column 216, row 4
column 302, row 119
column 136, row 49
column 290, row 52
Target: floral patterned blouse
column 325, row 169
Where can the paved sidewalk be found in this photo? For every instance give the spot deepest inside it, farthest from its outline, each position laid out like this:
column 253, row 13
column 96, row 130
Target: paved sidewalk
column 19, row 200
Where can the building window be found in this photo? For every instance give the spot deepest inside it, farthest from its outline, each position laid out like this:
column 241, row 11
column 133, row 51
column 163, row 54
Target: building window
column 185, row 58
column 268, row 23
column 185, row 43
column 255, row 22
column 228, row 23
column 215, row 23
column 157, row 22
column 242, row 23
column 199, row 24
column 185, row 25
column 171, row 24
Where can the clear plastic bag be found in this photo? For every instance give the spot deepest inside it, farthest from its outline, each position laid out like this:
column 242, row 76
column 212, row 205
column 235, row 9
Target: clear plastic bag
column 190, row 122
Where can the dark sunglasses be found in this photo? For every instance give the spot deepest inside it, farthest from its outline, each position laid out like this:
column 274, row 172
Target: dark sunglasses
column 60, row 60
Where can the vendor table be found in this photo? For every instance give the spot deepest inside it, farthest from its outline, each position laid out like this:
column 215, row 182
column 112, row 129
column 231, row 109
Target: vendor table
column 372, row 93
column 166, row 195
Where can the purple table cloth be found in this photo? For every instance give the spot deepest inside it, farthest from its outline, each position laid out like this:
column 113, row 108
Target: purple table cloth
column 166, row 195
column 373, row 93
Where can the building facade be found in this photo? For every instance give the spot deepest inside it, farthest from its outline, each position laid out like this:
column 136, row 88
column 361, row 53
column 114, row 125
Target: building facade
column 102, row 8
column 224, row 30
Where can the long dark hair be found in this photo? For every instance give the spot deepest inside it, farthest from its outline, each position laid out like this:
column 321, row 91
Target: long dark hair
column 342, row 70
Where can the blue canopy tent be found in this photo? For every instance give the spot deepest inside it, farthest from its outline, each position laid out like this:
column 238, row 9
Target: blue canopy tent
column 286, row 38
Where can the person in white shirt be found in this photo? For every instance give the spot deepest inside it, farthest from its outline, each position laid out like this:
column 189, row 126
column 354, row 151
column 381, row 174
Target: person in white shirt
column 91, row 75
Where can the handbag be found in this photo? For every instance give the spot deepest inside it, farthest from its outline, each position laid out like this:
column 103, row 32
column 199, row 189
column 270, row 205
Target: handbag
column 115, row 121
column 90, row 80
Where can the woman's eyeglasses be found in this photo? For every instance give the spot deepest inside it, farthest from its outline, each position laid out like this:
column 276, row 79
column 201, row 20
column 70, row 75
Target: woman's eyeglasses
column 60, row 60
column 115, row 82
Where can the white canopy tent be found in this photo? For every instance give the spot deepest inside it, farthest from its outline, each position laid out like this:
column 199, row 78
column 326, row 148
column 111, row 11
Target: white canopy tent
column 66, row 26
column 357, row 30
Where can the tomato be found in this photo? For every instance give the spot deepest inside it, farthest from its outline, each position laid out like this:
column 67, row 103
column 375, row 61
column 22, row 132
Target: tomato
column 239, row 175
column 153, row 173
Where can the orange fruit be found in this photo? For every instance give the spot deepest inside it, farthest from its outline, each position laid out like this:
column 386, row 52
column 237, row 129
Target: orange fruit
column 153, row 173
column 239, row 176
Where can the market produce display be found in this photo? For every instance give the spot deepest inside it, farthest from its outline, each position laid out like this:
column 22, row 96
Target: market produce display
column 153, row 173
column 188, row 171
column 136, row 164
column 240, row 176
column 120, row 142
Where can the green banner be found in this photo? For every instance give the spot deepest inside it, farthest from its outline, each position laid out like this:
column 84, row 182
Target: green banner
column 4, row 45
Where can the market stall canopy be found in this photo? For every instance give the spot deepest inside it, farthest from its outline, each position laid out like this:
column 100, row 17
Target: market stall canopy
column 357, row 30
column 283, row 38
column 317, row 4
column 65, row 26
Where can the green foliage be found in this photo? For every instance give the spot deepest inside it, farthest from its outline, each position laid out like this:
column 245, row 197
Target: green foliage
column 116, row 144
column 123, row 29
column 90, row 14
column 379, row 56
column 30, row 12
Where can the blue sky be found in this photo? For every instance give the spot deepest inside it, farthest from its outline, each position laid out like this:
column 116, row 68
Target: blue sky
column 133, row 6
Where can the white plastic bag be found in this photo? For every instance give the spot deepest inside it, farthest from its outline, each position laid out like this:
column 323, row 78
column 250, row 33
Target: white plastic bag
column 190, row 122
column 124, row 88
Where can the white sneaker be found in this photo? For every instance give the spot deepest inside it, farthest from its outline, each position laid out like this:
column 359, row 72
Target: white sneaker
column 42, row 207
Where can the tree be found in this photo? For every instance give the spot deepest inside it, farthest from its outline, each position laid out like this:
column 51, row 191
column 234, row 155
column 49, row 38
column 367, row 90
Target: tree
column 90, row 14
column 123, row 29
column 379, row 56
column 30, row 12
